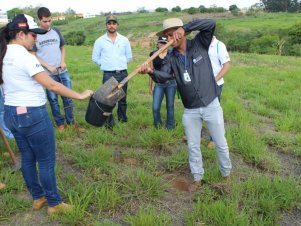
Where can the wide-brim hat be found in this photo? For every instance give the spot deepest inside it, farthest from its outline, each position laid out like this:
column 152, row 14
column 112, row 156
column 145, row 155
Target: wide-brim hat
column 26, row 23
column 170, row 23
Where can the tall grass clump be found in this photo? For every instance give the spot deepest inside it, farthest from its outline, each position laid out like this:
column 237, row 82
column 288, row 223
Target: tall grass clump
column 253, row 149
column 141, row 184
column 149, row 216
column 262, row 198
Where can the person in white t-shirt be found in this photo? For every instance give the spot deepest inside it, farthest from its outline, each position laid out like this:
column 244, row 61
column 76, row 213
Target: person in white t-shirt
column 25, row 113
column 220, row 62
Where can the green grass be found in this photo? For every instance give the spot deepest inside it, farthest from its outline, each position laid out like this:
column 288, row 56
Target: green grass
column 261, row 102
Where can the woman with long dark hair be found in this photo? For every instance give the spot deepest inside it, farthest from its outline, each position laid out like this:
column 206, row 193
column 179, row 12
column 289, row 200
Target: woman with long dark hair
column 25, row 112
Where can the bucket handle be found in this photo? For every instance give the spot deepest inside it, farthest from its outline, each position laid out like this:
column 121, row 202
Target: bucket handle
column 103, row 112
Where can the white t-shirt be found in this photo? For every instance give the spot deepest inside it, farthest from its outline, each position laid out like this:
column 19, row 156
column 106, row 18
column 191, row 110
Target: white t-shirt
column 218, row 56
column 20, row 89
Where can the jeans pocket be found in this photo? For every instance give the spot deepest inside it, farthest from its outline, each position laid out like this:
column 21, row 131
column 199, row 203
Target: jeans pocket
column 25, row 120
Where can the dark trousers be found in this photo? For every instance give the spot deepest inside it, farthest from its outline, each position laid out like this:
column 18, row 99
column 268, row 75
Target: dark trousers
column 122, row 104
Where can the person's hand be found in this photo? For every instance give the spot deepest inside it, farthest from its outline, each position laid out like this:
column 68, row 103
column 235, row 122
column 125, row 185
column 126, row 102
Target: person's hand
column 86, row 94
column 151, row 92
column 178, row 34
column 145, row 68
column 63, row 66
column 53, row 70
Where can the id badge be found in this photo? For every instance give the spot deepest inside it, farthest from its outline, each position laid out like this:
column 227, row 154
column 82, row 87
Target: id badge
column 186, row 77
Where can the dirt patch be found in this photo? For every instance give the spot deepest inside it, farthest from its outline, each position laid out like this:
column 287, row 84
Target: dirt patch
column 177, row 200
column 130, row 161
column 290, row 164
column 181, row 184
column 292, row 218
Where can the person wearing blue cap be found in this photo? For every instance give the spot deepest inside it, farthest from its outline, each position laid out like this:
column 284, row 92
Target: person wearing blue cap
column 167, row 88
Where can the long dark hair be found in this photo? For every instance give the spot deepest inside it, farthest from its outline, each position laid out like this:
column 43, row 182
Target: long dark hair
column 5, row 37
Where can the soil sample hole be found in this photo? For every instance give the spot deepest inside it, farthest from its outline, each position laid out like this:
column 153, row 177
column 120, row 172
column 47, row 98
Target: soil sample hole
column 180, row 184
column 130, row 161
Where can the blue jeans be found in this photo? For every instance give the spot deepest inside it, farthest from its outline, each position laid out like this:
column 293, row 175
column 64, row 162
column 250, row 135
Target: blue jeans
column 6, row 131
column 192, row 121
column 52, row 97
column 122, row 104
column 34, row 135
column 169, row 89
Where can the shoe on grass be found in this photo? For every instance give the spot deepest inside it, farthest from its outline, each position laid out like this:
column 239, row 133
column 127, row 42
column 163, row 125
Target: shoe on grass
column 227, row 178
column 2, row 186
column 39, row 203
column 194, row 186
column 78, row 129
column 61, row 128
column 211, row 145
column 59, row 208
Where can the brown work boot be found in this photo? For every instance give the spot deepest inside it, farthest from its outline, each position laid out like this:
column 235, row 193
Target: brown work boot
column 2, row 186
column 39, row 203
column 78, row 129
column 227, row 178
column 194, row 186
column 60, row 208
column 61, row 128
column 211, row 145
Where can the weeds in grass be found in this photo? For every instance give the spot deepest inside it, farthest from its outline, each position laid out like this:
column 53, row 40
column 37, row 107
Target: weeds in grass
column 149, row 216
column 216, row 213
column 141, row 184
column 262, row 197
column 80, row 198
column 94, row 158
column 176, row 160
column 106, row 196
column 10, row 203
column 261, row 94
column 246, row 143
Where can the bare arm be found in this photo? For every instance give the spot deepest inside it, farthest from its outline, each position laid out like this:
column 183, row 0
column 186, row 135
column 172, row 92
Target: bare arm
column 60, row 89
column 223, row 71
column 50, row 68
column 63, row 64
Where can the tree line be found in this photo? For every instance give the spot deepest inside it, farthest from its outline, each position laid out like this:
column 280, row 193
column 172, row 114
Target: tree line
column 281, row 5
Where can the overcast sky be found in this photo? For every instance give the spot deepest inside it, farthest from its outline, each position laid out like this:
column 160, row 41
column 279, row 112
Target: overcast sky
column 119, row 5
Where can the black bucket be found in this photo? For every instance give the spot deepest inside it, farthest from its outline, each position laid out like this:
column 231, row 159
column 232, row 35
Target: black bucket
column 97, row 113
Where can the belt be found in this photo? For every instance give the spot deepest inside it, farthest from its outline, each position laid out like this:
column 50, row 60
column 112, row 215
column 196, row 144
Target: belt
column 114, row 72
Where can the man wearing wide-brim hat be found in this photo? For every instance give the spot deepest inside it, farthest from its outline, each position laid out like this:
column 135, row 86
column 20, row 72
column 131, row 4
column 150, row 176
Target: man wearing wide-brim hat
column 190, row 63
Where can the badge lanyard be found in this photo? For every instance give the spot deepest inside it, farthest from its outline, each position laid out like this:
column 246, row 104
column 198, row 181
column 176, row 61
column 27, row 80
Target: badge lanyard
column 186, row 75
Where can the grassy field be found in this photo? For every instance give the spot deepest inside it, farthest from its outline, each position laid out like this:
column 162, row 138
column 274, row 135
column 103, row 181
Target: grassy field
column 143, row 25
column 136, row 175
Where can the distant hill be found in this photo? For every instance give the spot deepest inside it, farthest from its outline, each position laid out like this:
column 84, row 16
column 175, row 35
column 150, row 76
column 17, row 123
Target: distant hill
column 141, row 27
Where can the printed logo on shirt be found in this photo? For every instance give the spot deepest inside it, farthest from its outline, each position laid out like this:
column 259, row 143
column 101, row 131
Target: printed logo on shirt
column 48, row 42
